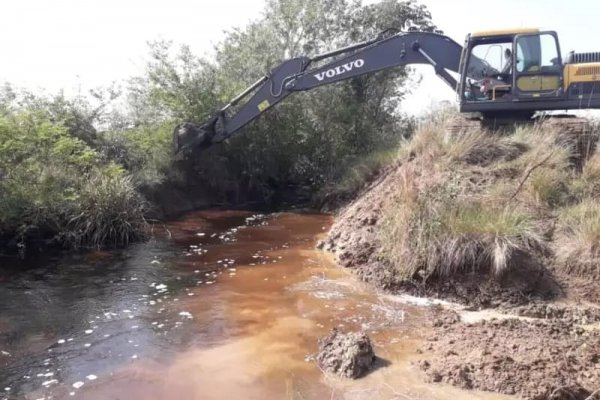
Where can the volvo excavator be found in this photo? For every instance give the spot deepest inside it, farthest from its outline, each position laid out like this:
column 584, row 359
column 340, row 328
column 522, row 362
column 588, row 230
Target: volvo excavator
column 499, row 75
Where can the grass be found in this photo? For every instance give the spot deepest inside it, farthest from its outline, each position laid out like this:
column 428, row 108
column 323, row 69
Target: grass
column 109, row 211
column 479, row 202
column 577, row 245
column 357, row 175
column 441, row 231
column 587, row 185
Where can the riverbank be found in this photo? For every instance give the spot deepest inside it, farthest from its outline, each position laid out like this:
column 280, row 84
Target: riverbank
column 508, row 224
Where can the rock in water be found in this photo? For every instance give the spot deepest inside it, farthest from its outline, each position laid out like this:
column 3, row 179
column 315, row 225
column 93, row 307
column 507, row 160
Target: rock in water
column 346, row 354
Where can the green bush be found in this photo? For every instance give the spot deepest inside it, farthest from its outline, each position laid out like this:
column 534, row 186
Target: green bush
column 145, row 152
column 55, row 186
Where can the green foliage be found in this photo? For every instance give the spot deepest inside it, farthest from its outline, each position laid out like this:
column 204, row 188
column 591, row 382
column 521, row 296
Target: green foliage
column 71, row 167
column 53, row 184
column 311, row 138
column 144, row 151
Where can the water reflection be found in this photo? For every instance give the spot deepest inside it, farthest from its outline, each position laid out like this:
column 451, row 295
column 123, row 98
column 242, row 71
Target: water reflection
column 221, row 304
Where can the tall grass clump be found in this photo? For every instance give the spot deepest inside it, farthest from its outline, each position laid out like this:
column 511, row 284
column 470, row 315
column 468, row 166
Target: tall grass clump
column 440, row 232
column 477, row 201
column 577, row 244
column 108, row 211
column 587, row 185
column 449, row 215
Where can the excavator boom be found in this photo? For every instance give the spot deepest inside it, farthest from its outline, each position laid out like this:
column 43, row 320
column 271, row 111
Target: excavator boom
column 533, row 77
column 301, row 73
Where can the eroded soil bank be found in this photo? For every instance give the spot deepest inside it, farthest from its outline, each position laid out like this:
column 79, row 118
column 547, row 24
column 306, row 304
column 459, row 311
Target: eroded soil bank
column 551, row 352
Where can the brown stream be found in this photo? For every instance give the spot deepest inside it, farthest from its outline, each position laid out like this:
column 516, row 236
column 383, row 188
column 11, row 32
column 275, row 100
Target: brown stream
column 224, row 305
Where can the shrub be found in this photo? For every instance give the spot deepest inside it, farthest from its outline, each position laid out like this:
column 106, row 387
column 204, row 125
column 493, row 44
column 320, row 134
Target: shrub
column 145, row 151
column 54, row 186
column 108, row 211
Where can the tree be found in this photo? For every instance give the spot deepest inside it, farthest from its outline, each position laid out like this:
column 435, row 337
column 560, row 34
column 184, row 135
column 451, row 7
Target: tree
column 310, row 137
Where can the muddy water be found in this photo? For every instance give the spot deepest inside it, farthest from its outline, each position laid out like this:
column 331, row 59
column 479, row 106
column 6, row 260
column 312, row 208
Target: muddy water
column 221, row 305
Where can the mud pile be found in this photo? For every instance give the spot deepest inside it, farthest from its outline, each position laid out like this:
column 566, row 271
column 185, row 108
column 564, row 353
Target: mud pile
column 537, row 360
column 354, row 241
column 353, row 237
column 349, row 355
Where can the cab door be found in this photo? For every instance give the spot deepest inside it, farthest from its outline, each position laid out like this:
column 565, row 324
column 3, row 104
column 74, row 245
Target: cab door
column 538, row 69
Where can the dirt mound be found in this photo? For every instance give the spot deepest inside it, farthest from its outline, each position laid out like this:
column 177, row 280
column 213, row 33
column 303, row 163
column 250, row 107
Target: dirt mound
column 349, row 355
column 538, row 360
column 353, row 237
column 476, row 218
column 481, row 220
column 569, row 314
column 355, row 242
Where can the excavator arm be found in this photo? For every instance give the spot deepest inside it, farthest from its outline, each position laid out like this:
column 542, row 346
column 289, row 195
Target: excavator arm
column 298, row 74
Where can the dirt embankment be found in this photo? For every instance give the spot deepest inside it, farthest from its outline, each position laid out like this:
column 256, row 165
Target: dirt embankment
column 508, row 252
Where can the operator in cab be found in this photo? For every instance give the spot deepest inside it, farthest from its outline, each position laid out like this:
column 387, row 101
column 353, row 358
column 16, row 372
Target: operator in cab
column 507, row 69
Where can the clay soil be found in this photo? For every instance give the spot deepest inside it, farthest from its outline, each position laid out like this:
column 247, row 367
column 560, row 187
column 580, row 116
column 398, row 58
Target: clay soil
column 538, row 359
column 549, row 348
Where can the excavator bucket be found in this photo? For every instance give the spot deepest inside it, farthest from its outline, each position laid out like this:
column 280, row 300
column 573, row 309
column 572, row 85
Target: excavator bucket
column 188, row 136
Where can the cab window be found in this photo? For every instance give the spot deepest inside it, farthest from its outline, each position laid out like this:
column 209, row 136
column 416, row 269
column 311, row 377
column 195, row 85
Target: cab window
column 489, row 59
column 537, row 53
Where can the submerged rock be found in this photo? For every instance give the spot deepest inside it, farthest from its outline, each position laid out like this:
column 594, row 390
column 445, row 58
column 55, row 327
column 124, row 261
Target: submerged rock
column 349, row 355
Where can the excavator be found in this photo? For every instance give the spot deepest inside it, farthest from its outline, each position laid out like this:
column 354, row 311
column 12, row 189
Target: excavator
column 498, row 75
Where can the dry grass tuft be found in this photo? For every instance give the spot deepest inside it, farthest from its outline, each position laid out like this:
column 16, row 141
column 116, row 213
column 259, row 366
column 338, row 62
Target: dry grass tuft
column 474, row 201
column 439, row 232
column 541, row 173
column 588, row 183
column 577, row 245
column 477, row 147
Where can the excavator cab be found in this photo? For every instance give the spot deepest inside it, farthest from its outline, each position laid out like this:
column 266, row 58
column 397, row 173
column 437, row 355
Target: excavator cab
column 510, row 70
